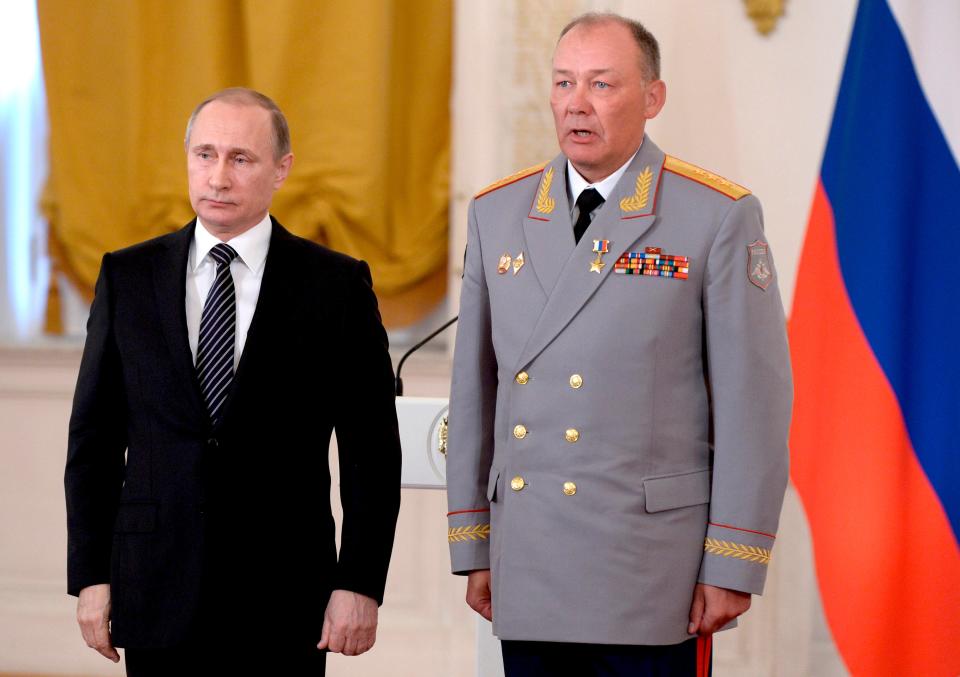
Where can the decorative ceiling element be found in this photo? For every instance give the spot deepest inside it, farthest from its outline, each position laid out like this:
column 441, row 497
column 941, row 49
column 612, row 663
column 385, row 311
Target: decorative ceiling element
column 765, row 13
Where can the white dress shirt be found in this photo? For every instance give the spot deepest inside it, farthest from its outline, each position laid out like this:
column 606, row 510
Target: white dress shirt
column 576, row 184
column 247, row 271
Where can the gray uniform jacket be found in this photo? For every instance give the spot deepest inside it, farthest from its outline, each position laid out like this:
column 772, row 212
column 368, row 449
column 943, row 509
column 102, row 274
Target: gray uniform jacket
column 618, row 421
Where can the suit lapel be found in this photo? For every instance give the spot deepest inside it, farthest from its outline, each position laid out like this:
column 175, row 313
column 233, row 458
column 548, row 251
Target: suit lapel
column 170, row 288
column 275, row 288
column 547, row 229
column 623, row 219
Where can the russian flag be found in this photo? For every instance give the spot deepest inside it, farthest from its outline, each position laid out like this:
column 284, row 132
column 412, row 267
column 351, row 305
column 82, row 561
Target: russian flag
column 875, row 341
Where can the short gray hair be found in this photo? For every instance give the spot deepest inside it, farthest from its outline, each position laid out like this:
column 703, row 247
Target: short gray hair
column 249, row 97
column 645, row 41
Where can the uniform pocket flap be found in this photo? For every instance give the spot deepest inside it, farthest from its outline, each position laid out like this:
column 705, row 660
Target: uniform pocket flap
column 492, row 485
column 677, row 491
column 136, row 518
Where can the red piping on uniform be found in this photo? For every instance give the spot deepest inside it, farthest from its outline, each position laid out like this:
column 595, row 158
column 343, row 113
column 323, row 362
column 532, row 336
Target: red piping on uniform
column 461, row 512
column 749, row 531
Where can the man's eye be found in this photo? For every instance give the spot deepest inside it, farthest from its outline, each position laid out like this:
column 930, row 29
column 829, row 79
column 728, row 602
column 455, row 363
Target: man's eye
column 600, row 84
column 240, row 160
column 203, row 155
column 563, row 84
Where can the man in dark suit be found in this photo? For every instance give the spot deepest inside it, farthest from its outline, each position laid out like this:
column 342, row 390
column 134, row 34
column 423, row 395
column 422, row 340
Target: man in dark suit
column 218, row 361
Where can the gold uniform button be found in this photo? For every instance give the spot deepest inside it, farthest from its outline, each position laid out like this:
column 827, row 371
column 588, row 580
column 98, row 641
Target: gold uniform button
column 576, row 381
column 569, row 488
column 572, row 435
column 522, row 378
column 517, row 483
column 519, row 431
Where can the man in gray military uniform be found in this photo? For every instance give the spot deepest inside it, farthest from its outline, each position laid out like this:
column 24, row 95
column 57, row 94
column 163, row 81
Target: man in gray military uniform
column 621, row 387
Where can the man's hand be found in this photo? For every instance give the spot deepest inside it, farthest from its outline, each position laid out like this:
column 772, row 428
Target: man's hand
column 478, row 593
column 349, row 623
column 93, row 615
column 714, row 607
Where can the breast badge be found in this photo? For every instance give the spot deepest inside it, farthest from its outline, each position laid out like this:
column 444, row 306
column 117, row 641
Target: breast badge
column 600, row 247
column 759, row 271
column 652, row 262
column 504, row 264
column 518, row 263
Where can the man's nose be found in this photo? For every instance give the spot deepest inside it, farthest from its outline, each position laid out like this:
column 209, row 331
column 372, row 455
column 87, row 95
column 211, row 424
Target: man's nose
column 579, row 102
column 220, row 176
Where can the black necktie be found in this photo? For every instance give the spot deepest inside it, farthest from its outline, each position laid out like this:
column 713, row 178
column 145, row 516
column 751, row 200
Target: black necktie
column 218, row 329
column 589, row 200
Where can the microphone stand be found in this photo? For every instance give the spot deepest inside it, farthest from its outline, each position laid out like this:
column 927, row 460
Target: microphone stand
column 399, row 381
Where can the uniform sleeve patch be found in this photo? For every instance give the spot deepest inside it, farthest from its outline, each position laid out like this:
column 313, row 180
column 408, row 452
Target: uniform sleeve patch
column 759, row 271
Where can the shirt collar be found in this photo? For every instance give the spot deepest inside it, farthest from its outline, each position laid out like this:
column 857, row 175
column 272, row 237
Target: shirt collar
column 251, row 245
column 577, row 184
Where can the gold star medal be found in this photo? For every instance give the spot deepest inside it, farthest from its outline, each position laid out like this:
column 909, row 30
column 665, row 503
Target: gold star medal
column 600, row 247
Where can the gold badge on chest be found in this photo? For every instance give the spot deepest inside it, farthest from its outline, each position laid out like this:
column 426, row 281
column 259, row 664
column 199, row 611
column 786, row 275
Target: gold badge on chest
column 506, row 261
column 518, row 263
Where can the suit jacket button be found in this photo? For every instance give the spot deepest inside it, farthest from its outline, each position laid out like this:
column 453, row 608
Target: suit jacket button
column 213, row 443
column 576, row 381
column 572, row 435
column 520, row 431
column 522, row 378
column 517, row 483
column 569, row 488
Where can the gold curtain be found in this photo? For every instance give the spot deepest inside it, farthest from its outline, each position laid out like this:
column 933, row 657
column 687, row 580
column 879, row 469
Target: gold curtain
column 365, row 85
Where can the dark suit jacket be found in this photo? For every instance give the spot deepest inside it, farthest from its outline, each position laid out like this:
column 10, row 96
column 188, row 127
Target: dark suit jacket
column 203, row 530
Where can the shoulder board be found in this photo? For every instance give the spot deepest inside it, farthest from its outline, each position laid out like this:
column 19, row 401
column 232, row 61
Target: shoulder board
column 718, row 183
column 507, row 180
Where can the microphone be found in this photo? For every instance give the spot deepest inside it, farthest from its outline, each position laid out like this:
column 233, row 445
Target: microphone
column 399, row 382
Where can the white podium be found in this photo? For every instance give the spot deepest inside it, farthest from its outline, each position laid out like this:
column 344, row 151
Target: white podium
column 423, row 438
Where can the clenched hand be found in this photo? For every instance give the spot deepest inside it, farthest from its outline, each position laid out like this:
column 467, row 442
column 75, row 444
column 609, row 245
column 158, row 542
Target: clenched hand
column 478, row 593
column 349, row 623
column 714, row 607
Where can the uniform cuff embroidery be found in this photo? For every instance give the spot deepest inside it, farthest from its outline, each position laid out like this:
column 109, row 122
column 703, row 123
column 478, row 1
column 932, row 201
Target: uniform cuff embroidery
column 474, row 532
column 750, row 553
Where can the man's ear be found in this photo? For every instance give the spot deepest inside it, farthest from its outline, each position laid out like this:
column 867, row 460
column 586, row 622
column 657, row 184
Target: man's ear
column 283, row 170
column 656, row 97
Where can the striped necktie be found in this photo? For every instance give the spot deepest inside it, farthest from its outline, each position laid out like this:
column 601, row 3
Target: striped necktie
column 218, row 330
